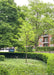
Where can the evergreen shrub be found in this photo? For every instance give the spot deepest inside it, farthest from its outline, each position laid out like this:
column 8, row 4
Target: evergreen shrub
column 46, row 57
column 45, row 48
column 2, row 57
column 3, row 70
column 50, row 65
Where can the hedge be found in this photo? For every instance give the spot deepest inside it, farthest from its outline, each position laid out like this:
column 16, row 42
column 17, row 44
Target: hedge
column 13, row 55
column 30, row 49
column 31, row 55
column 23, row 55
column 22, row 49
column 6, row 69
column 3, row 70
column 46, row 57
column 45, row 48
column 50, row 65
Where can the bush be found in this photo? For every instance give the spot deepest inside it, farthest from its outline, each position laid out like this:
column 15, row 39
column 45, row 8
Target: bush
column 39, row 56
column 2, row 57
column 13, row 55
column 50, row 65
column 29, row 49
column 45, row 48
column 29, row 55
column 3, row 70
column 46, row 57
column 12, row 69
column 23, row 55
column 22, row 49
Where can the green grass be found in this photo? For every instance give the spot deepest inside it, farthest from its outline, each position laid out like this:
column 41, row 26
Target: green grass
column 19, row 67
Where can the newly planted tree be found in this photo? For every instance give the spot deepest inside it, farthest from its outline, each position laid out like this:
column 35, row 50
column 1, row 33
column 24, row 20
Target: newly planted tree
column 26, row 35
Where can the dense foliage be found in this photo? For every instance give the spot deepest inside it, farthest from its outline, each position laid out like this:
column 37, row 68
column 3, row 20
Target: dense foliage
column 10, row 20
column 3, row 70
column 2, row 57
column 23, row 55
column 46, row 57
column 38, row 21
column 31, row 49
column 45, row 48
column 19, row 67
column 22, row 26
column 50, row 63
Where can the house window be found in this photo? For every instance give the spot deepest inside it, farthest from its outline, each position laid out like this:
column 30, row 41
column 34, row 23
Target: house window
column 41, row 46
column 46, row 39
column 41, row 40
column 46, row 44
column 51, row 45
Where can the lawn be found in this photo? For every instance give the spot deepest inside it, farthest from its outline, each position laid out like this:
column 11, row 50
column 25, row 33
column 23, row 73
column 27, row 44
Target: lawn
column 19, row 67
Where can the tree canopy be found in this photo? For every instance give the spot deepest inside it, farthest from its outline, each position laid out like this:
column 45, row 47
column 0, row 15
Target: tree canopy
column 11, row 17
column 21, row 24
column 40, row 17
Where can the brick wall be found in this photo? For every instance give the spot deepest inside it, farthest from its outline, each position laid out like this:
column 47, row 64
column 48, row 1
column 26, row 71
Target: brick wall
column 42, row 43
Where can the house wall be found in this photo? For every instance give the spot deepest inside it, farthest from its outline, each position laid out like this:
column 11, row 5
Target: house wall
column 41, row 41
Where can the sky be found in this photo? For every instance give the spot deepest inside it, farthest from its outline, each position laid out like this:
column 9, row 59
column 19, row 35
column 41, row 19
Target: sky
column 25, row 2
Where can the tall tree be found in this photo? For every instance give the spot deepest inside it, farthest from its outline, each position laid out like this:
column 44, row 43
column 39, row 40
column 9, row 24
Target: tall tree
column 10, row 16
column 40, row 18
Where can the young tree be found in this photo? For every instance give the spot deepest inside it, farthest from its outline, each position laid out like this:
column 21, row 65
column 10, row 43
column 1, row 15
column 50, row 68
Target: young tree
column 26, row 35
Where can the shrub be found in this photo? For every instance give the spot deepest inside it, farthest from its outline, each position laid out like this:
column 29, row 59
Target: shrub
column 13, row 55
column 46, row 57
column 29, row 49
column 50, row 65
column 39, row 56
column 23, row 55
column 12, row 69
column 2, row 57
column 45, row 48
column 3, row 70
column 22, row 49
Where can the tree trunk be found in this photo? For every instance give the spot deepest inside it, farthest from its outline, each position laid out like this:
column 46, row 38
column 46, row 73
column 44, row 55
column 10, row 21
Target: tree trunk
column 36, row 44
column 26, row 47
column 26, row 54
column 36, row 37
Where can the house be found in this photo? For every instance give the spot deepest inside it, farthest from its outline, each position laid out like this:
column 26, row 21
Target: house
column 45, row 40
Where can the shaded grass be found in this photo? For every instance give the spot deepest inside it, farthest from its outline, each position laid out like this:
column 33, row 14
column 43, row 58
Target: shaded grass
column 19, row 67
